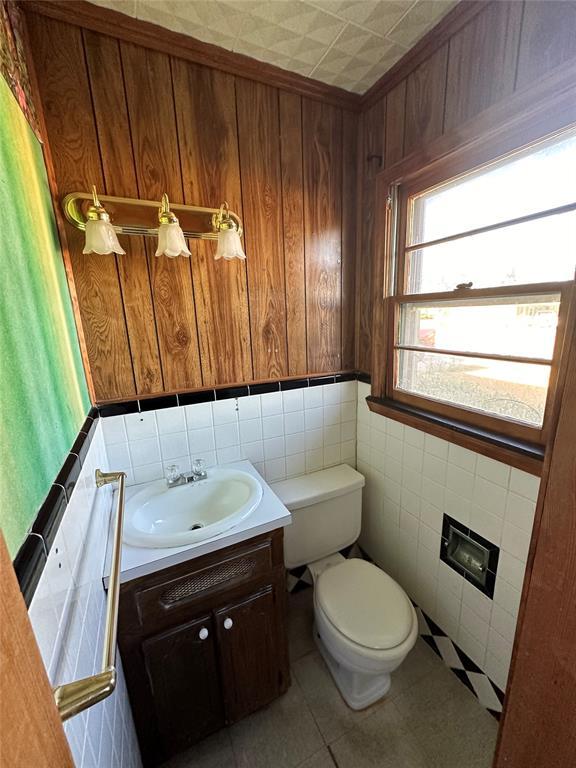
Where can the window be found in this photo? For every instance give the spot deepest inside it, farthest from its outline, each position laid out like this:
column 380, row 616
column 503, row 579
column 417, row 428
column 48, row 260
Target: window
column 485, row 272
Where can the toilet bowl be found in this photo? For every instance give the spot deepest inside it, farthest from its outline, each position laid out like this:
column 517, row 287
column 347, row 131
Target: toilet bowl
column 364, row 623
column 365, row 626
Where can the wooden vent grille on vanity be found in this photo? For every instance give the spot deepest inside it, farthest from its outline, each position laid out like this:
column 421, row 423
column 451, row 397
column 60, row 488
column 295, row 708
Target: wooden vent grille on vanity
column 191, row 586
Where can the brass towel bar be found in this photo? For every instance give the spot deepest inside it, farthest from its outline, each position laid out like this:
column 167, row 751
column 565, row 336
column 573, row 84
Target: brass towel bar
column 72, row 698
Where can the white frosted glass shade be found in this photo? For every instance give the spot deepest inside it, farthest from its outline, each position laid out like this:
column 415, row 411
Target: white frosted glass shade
column 101, row 238
column 171, row 241
column 229, row 245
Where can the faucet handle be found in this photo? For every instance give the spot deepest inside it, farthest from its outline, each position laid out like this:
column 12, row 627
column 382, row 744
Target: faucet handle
column 172, row 473
column 199, row 467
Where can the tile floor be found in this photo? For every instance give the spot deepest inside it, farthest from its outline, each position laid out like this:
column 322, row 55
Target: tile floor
column 428, row 720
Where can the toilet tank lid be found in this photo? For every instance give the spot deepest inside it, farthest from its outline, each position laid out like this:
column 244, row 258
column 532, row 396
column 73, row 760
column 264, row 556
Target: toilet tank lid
column 310, row 489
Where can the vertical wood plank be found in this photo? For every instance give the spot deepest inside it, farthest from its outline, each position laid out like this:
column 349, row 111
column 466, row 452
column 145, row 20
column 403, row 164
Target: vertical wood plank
column 425, row 93
column 58, row 51
column 482, row 62
column 395, row 111
column 153, row 123
column 547, row 40
column 349, row 210
column 375, row 138
column 364, row 314
column 322, row 129
column 359, row 236
column 293, row 216
column 373, row 162
column 258, row 131
column 103, row 60
column 207, row 131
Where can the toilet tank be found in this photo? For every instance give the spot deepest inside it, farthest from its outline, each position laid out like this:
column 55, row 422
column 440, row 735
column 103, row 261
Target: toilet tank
column 326, row 509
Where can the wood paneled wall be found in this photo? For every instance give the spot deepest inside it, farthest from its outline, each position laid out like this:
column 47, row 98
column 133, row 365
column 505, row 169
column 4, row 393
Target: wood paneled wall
column 485, row 54
column 138, row 122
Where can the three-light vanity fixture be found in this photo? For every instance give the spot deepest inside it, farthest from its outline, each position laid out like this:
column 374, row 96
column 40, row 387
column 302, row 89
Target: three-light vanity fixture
column 132, row 217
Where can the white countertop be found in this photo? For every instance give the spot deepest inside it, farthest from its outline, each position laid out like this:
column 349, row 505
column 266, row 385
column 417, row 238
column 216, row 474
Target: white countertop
column 139, row 561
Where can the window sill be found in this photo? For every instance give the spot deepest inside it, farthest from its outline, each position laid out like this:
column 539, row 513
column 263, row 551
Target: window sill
column 517, row 453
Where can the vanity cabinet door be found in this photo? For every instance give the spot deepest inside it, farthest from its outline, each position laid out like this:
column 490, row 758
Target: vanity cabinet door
column 182, row 669
column 251, row 654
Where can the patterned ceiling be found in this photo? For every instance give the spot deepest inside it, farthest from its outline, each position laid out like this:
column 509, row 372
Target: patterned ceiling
column 346, row 43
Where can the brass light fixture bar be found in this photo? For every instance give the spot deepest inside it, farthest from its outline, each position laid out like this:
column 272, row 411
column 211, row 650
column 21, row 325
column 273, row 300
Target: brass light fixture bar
column 131, row 216
column 73, row 698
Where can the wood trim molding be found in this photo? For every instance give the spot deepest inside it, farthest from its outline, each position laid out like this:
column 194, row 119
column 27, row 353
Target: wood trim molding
column 457, row 18
column 139, row 32
column 537, row 727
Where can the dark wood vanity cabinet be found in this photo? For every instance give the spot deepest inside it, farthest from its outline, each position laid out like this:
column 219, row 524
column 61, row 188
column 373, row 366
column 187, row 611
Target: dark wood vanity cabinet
column 182, row 671
column 203, row 643
column 248, row 651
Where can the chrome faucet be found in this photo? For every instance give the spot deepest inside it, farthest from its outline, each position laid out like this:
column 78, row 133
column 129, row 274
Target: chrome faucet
column 175, row 478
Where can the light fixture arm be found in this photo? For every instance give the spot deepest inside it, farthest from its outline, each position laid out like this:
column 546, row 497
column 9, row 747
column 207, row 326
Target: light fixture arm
column 165, row 215
column 96, row 212
column 222, row 221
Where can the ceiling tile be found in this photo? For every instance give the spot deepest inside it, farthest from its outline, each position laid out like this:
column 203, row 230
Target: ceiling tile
column 378, row 16
column 296, row 63
column 358, row 42
column 419, row 19
column 299, row 17
column 269, row 36
column 354, row 56
column 353, row 39
column 123, row 6
column 220, row 18
column 348, row 43
column 375, row 73
column 276, row 41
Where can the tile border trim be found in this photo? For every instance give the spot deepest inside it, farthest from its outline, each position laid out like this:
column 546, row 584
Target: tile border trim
column 209, row 395
column 430, row 633
column 32, row 556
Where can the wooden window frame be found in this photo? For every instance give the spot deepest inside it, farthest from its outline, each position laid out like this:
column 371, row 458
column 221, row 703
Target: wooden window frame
column 478, row 418
column 394, row 192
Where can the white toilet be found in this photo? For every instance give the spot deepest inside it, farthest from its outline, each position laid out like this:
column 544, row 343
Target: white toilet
column 365, row 624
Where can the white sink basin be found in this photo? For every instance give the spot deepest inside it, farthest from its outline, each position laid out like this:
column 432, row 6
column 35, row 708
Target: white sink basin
column 158, row 516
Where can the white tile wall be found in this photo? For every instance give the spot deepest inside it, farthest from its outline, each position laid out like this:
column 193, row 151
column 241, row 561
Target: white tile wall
column 411, row 480
column 67, row 614
column 283, row 434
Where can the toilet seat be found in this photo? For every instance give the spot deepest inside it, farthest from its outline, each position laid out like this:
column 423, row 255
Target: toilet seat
column 365, row 606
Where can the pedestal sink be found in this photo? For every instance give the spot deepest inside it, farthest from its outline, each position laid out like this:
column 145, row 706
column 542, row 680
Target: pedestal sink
column 159, row 516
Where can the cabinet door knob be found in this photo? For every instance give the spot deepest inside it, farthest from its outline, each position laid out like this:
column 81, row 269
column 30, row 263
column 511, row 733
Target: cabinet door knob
column 203, row 634
column 228, row 623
